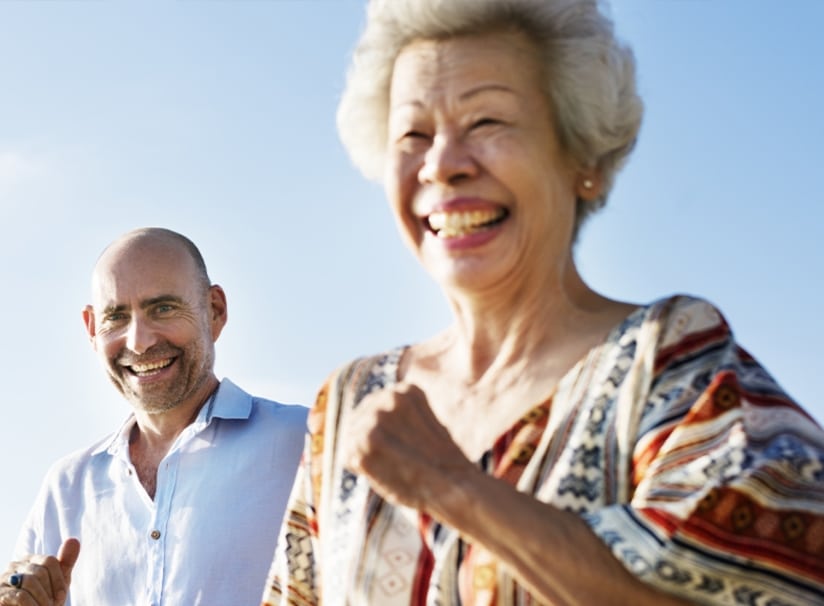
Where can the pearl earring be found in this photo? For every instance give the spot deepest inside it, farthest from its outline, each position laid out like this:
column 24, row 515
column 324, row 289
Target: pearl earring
column 588, row 184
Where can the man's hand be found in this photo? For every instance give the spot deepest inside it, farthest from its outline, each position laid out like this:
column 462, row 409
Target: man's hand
column 41, row 580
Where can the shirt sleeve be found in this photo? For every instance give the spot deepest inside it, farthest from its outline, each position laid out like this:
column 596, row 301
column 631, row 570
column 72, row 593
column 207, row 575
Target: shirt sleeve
column 29, row 539
column 292, row 578
column 728, row 476
column 33, row 537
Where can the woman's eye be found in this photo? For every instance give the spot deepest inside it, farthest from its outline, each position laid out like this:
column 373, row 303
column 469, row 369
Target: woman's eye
column 412, row 140
column 414, row 134
column 484, row 122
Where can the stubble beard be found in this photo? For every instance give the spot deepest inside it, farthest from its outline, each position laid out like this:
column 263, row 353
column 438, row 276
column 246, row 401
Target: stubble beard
column 166, row 395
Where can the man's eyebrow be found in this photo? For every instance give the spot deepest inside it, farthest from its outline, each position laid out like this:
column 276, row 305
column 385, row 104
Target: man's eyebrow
column 113, row 309
column 146, row 303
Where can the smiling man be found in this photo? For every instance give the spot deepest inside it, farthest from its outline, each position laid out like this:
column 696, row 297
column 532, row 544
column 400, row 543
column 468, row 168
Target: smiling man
column 181, row 505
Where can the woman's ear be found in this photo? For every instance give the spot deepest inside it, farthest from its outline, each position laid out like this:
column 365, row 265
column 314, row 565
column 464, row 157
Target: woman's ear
column 590, row 185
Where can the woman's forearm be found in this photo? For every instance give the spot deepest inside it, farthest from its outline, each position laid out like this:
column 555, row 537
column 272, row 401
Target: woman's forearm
column 550, row 551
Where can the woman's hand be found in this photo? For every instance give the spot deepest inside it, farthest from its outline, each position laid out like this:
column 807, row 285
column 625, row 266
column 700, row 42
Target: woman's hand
column 395, row 440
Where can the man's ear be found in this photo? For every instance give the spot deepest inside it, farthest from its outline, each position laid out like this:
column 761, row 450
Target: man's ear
column 218, row 310
column 88, row 320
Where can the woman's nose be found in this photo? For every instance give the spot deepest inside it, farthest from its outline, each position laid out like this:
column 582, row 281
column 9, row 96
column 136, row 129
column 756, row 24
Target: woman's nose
column 447, row 160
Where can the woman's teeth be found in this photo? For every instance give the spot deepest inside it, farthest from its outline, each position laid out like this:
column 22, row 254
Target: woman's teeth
column 453, row 224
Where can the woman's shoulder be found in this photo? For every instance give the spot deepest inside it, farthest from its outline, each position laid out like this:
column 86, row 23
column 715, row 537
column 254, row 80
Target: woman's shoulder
column 668, row 321
column 347, row 384
column 673, row 328
column 684, row 305
column 366, row 373
column 380, row 367
column 679, row 316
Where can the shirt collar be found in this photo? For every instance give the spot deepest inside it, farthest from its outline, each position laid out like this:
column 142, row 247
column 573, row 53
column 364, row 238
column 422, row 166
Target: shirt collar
column 228, row 402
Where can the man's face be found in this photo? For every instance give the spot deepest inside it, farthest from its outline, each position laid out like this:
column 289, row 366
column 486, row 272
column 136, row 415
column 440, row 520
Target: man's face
column 154, row 324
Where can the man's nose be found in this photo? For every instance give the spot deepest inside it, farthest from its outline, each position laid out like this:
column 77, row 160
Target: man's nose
column 140, row 336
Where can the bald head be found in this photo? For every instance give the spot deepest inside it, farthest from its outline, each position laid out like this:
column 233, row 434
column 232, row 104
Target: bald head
column 153, row 240
column 154, row 319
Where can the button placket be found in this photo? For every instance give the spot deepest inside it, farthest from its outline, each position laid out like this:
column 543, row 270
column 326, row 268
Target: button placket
column 158, row 530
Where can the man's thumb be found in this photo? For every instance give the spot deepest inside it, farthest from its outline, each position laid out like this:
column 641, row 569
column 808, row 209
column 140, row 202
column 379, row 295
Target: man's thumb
column 67, row 556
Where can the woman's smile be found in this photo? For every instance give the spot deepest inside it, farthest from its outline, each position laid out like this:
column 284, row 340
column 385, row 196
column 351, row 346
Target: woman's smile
column 458, row 223
column 475, row 166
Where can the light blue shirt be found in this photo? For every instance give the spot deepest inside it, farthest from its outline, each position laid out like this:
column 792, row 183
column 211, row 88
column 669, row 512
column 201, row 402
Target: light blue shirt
column 208, row 537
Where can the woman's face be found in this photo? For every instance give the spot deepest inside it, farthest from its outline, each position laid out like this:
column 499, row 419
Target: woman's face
column 476, row 178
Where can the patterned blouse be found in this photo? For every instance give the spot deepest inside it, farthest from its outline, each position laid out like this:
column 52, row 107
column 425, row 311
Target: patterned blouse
column 676, row 447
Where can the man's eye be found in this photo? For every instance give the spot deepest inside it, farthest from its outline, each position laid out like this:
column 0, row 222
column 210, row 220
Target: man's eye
column 162, row 309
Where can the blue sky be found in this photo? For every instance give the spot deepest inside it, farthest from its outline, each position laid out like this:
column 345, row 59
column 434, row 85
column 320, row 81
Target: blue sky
column 216, row 118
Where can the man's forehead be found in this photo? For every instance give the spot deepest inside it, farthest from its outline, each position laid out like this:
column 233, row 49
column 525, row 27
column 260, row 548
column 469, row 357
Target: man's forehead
column 135, row 287
column 144, row 267
column 137, row 271
column 131, row 298
column 135, row 252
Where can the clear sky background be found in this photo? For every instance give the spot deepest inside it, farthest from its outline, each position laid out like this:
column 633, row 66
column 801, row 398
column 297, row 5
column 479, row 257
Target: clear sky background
column 216, row 119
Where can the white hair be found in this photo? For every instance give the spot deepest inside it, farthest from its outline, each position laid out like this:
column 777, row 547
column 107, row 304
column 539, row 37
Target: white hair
column 589, row 75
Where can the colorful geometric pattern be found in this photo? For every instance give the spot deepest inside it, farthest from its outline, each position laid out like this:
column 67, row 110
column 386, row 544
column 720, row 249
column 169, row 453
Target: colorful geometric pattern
column 677, row 448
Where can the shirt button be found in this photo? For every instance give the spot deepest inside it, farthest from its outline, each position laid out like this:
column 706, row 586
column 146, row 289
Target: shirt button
column 155, row 534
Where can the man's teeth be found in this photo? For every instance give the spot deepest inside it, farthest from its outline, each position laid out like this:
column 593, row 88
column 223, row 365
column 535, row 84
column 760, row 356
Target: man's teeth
column 150, row 366
column 459, row 223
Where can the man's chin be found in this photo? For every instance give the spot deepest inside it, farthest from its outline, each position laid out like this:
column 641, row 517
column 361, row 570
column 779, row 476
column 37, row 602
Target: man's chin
column 152, row 407
column 150, row 400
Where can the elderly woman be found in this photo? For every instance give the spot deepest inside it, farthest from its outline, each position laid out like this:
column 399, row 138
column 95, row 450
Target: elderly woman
column 552, row 445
